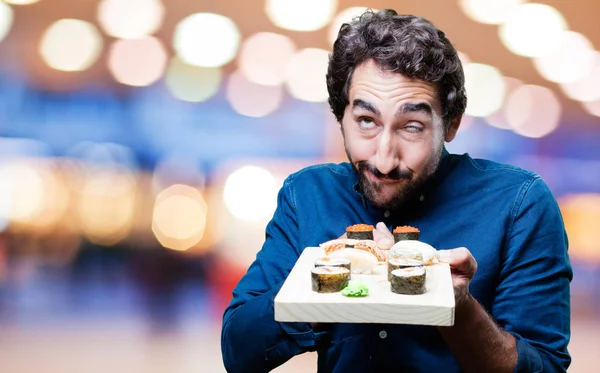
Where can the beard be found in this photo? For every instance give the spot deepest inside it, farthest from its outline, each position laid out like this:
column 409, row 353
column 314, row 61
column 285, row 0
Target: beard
column 408, row 186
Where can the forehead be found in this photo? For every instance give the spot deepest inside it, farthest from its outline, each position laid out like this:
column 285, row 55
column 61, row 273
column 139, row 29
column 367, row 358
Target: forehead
column 370, row 82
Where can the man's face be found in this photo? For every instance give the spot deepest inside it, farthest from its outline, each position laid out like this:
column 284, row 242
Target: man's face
column 393, row 133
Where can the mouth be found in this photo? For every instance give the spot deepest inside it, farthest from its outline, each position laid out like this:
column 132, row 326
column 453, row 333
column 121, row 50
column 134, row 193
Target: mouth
column 383, row 180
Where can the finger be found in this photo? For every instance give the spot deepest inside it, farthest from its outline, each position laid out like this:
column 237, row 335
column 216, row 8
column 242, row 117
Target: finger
column 385, row 243
column 383, row 236
column 382, row 228
column 460, row 259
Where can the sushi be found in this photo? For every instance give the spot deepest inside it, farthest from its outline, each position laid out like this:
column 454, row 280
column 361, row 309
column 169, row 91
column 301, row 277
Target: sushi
column 428, row 253
column 333, row 262
column 406, row 232
column 329, row 279
column 362, row 261
column 398, row 263
column 409, row 281
column 369, row 246
column 360, row 232
column 333, row 245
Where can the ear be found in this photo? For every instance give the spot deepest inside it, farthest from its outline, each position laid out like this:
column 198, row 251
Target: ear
column 452, row 128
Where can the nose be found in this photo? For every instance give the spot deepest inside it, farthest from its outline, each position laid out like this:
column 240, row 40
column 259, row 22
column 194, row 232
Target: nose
column 387, row 155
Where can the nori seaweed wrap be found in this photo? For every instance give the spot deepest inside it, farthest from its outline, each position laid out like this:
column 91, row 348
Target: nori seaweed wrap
column 360, row 232
column 329, row 279
column 406, row 232
column 398, row 263
column 409, row 281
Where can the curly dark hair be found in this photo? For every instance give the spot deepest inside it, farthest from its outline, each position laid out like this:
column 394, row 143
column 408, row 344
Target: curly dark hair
column 404, row 44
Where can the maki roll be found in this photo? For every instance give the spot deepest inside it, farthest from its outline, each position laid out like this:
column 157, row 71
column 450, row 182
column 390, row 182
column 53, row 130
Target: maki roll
column 329, row 279
column 406, row 232
column 403, row 249
column 333, row 262
column 409, row 281
column 399, row 263
column 360, row 232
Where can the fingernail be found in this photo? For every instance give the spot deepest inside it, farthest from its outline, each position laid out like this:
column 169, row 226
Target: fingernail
column 444, row 255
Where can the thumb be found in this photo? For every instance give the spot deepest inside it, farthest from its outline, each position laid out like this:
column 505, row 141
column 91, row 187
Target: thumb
column 460, row 259
column 383, row 236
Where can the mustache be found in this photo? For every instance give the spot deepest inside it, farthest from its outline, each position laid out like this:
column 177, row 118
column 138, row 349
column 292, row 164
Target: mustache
column 395, row 174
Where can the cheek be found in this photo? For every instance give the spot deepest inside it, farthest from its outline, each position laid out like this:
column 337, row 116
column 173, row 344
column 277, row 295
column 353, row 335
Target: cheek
column 417, row 156
column 360, row 149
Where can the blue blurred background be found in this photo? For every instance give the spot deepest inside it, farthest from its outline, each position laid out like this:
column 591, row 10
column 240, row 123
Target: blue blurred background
column 143, row 142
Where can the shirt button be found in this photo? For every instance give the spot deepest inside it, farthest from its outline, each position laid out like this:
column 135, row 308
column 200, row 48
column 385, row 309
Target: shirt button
column 386, row 213
column 383, row 334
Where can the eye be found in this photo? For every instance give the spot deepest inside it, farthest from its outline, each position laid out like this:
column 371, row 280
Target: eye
column 366, row 123
column 413, row 127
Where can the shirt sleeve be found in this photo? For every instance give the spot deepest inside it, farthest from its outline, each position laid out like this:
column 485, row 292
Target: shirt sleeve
column 251, row 339
column 533, row 295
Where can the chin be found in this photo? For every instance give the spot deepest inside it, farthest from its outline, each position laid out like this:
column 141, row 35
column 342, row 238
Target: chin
column 386, row 196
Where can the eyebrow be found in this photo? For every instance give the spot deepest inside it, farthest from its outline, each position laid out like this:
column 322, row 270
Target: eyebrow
column 421, row 107
column 365, row 105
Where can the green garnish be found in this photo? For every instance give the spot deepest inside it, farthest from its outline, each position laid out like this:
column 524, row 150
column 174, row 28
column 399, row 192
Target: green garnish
column 355, row 289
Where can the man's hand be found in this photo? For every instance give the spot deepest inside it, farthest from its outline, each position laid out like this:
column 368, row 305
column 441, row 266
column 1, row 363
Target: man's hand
column 476, row 341
column 463, row 267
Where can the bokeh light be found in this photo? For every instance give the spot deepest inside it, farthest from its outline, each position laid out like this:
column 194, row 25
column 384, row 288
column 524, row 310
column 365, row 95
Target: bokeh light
column 250, row 193
column 32, row 194
column 345, row 16
column 130, row 19
column 586, row 88
column 251, row 99
column 533, row 111
column 206, row 39
column 532, row 30
column 264, row 58
column 106, row 204
column 177, row 168
column 301, row 15
column 592, row 107
column 490, row 11
column 581, row 214
column 498, row 118
column 306, row 75
column 24, row 192
column 485, row 88
column 6, row 19
column 179, row 217
column 137, row 62
column 71, row 45
column 20, row 2
column 464, row 58
column 572, row 60
column 192, row 83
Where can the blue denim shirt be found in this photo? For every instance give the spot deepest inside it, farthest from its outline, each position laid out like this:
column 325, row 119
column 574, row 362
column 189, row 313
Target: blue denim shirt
column 507, row 217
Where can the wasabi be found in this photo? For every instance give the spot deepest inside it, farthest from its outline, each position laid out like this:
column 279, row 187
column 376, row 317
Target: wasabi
column 355, row 289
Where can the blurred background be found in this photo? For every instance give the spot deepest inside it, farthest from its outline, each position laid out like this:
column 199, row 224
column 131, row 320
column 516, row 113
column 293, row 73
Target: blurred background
column 143, row 142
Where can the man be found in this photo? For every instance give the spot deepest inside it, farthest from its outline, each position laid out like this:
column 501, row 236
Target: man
column 396, row 86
